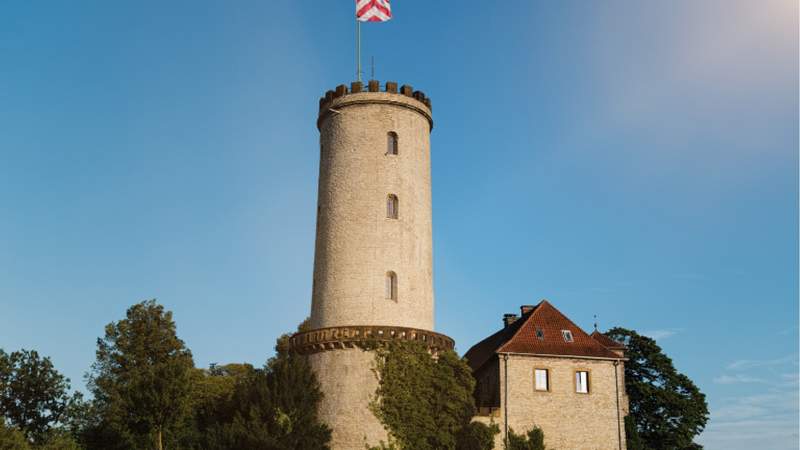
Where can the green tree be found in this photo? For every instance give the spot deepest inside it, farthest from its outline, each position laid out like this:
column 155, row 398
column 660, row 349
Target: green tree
column 59, row 440
column 424, row 400
column 11, row 438
column 532, row 440
column 632, row 439
column 213, row 389
column 272, row 408
column 33, row 395
column 666, row 407
column 141, row 380
column 477, row 436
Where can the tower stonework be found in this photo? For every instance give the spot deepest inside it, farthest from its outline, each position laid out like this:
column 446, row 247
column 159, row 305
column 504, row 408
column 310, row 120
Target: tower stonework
column 373, row 265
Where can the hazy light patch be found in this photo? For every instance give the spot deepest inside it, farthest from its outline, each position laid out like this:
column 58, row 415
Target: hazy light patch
column 737, row 378
column 703, row 90
column 745, row 364
column 662, row 334
column 766, row 421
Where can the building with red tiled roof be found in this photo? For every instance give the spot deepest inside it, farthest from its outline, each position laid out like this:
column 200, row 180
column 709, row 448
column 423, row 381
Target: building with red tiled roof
column 542, row 370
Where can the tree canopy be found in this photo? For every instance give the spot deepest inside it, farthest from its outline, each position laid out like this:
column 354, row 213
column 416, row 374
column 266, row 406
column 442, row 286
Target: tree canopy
column 33, row 394
column 666, row 407
column 273, row 408
column 142, row 378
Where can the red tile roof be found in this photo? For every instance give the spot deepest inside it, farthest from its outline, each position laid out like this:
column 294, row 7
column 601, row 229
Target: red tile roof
column 520, row 337
column 606, row 341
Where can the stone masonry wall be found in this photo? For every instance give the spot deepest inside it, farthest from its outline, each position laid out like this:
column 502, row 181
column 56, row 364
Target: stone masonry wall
column 348, row 382
column 569, row 420
column 356, row 243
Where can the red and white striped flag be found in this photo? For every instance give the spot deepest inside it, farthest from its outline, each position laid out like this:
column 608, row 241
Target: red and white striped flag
column 373, row 10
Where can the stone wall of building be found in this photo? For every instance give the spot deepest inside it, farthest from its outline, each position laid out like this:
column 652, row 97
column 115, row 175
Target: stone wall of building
column 348, row 383
column 570, row 420
column 356, row 243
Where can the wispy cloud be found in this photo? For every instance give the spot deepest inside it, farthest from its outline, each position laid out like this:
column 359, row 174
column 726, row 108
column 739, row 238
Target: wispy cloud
column 745, row 364
column 790, row 379
column 738, row 378
column 662, row 334
column 767, row 420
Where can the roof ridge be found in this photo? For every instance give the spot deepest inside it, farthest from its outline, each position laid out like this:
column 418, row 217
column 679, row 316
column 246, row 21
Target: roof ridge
column 522, row 325
column 606, row 341
column 579, row 328
column 592, row 342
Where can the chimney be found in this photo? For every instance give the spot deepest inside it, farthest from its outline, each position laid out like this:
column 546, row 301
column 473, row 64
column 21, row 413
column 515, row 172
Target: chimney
column 525, row 309
column 508, row 319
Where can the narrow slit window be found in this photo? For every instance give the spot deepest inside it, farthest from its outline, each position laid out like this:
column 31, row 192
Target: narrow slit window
column 391, row 143
column 391, row 285
column 542, row 379
column 582, row 382
column 391, row 206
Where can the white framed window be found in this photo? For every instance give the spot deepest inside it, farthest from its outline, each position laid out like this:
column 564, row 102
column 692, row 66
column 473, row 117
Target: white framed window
column 541, row 379
column 391, row 143
column 391, row 285
column 567, row 335
column 582, row 382
column 392, row 206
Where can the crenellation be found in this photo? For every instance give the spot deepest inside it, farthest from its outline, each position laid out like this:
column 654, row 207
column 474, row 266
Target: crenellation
column 373, row 86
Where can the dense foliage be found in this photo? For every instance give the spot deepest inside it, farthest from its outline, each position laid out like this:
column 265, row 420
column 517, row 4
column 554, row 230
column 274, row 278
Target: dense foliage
column 274, row 407
column 667, row 410
column 11, row 438
column 477, row 436
column 425, row 401
column 142, row 378
column 532, row 440
column 33, row 395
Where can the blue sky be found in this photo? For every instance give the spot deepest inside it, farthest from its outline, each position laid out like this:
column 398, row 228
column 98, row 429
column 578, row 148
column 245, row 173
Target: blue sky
column 634, row 160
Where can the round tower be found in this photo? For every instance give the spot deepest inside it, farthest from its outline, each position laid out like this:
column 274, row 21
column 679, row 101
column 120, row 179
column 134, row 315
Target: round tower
column 373, row 265
column 374, row 259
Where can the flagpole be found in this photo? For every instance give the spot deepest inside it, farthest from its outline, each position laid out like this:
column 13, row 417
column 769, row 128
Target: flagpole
column 358, row 49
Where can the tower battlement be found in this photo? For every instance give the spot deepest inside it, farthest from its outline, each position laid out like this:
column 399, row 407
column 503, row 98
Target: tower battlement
column 357, row 87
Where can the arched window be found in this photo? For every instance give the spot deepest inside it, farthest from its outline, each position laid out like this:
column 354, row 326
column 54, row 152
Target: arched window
column 391, row 206
column 391, row 148
column 391, row 285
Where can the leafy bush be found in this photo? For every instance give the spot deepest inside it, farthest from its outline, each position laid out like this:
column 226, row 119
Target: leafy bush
column 532, row 440
column 477, row 436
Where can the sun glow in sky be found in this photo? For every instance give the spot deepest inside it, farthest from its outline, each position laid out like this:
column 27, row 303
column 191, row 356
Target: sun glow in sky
column 634, row 160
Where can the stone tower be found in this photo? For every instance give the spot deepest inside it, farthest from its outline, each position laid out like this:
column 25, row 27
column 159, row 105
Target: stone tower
column 373, row 266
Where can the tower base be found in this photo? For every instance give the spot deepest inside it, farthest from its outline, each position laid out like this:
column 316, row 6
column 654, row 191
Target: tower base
column 344, row 366
column 348, row 382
